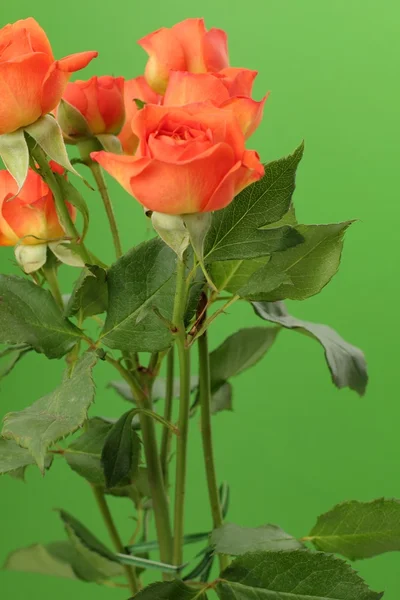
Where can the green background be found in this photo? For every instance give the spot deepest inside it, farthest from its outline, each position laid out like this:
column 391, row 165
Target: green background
column 294, row 446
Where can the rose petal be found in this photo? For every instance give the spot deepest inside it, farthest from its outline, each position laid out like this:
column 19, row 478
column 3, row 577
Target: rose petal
column 215, row 50
column 120, row 166
column 39, row 39
column 21, row 86
column 248, row 112
column 58, row 76
column 182, row 188
column 239, row 177
column 134, row 88
column 239, row 82
column 187, row 88
column 190, row 34
column 165, row 55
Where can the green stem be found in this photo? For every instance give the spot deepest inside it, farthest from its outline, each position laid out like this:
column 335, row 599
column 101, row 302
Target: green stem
column 85, row 148
column 156, row 483
column 130, row 571
column 50, row 274
column 167, row 434
column 206, row 436
column 102, row 187
column 184, row 408
column 62, row 209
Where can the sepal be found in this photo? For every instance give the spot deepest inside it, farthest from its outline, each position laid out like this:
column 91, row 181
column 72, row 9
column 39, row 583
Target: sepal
column 172, row 230
column 15, row 155
column 31, row 258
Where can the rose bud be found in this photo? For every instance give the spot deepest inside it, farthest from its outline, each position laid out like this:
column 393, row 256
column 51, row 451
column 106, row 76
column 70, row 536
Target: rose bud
column 135, row 89
column 31, row 80
column 100, row 101
column 187, row 46
column 190, row 159
column 29, row 221
column 229, row 89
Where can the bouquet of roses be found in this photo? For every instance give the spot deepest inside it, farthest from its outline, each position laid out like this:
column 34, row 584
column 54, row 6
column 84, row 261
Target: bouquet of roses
column 225, row 232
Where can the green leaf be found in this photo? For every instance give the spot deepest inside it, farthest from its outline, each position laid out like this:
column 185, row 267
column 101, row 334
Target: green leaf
column 13, row 458
column 39, row 559
column 58, row 559
column 170, row 590
column 29, row 315
column 15, row 155
column 14, row 355
column 86, row 537
column 221, row 398
column 292, row 575
column 308, row 267
column 139, row 282
column 346, row 362
column 120, row 455
column 359, row 529
column 48, row 135
column 56, row 415
column 239, row 352
column 84, row 454
column 75, row 198
column 236, row 231
column 231, row 275
column 235, row 540
column 90, row 293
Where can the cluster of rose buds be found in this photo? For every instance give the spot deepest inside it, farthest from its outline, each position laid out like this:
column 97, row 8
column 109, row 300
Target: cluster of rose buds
column 173, row 138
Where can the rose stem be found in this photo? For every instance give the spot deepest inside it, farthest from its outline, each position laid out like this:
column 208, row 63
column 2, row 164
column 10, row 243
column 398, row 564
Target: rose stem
column 184, row 407
column 85, row 148
column 115, row 537
column 156, row 483
column 206, row 436
column 167, row 433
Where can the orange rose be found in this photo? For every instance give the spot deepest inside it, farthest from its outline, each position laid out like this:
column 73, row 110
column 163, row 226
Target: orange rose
column 190, row 159
column 29, row 219
column 187, row 46
column 229, row 89
column 100, row 100
column 135, row 89
column 31, row 81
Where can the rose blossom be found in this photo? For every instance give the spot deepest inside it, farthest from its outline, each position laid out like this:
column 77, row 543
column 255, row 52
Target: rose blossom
column 29, row 219
column 100, row 100
column 31, row 80
column 187, row 46
column 190, row 159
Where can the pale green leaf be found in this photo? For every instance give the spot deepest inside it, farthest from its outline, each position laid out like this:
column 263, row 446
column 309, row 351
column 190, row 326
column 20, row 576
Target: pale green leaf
column 74, row 197
column 48, row 135
column 138, row 283
column 359, row 529
column 236, row 232
column 292, row 575
column 308, row 267
column 13, row 458
column 84, row 454
column 235, row 540
column 56, row 415
column 59, row 559
column 239, row 352
column 346, row 362
column 29, row 315
column 15, row 155
column 221, row 398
